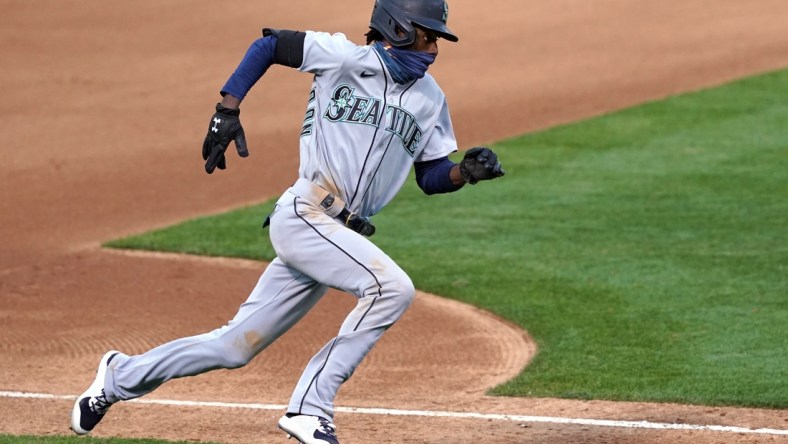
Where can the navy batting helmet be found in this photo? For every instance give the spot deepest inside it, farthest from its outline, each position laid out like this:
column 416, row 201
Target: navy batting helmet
column 390, row 15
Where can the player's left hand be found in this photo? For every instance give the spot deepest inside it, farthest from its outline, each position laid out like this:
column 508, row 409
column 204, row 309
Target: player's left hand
column 480, row 163
column 225, row 125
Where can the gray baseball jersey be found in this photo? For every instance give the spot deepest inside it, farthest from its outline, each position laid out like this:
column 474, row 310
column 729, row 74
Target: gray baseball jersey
column 363, row 131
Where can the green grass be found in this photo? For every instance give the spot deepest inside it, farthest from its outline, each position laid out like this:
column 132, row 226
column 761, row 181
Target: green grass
column 235, row 234
column 11, row 439
column 644, row 250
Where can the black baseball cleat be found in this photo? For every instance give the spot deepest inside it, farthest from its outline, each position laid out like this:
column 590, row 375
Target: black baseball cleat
column 309, row 429
column 91, row 405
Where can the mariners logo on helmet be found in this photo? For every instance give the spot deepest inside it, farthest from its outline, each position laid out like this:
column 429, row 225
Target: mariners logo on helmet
column 445, row 17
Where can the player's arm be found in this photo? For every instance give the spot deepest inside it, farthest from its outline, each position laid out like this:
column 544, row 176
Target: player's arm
column 438, row 176
column 280, row 47
column 435, row 173
column 444, row 176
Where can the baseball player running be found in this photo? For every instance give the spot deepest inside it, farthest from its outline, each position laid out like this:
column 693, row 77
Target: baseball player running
column 373, row 112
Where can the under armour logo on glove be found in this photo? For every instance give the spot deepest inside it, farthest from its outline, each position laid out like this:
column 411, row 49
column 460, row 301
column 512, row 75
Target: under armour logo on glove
column 226, row 127
column 480, row 163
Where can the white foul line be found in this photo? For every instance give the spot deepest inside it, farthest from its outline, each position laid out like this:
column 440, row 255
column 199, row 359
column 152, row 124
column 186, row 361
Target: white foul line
column 435, row 414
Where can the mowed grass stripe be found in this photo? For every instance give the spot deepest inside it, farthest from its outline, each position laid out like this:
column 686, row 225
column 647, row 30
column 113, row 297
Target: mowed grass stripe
column 645, row 250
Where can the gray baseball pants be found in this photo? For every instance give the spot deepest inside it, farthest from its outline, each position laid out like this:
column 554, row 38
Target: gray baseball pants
column 315, row 252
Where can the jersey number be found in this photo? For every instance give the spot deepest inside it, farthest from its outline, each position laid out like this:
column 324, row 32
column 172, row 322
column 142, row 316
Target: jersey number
column 309, row 119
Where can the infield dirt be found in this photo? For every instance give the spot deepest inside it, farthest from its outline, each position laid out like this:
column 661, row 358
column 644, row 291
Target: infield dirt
column 105, row 108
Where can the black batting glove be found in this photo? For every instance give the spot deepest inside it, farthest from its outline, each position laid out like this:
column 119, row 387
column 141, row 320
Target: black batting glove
column 480, row 163
column 223, row 127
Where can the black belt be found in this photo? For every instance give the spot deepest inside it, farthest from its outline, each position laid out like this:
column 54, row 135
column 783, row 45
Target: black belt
column 359, row 224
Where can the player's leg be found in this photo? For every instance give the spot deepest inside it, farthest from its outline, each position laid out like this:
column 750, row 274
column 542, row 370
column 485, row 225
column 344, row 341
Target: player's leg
column 281, row 297
column 349, row 262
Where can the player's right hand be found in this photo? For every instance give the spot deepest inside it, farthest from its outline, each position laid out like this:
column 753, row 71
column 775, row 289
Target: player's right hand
column 224, row 126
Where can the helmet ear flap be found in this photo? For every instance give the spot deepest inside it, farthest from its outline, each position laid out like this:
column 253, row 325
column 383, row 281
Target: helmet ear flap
column 408, row 32
column 387, row 19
